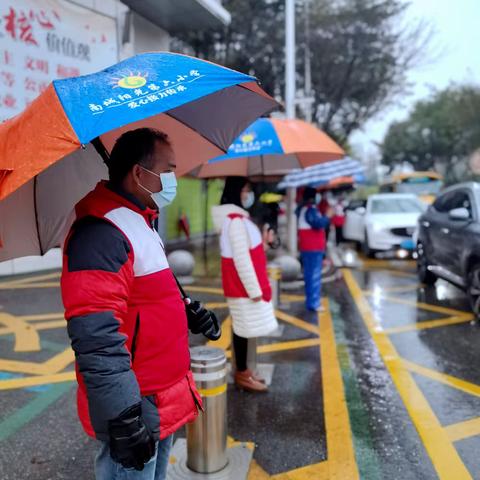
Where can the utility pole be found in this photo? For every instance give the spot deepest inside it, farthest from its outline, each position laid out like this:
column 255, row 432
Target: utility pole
column 308, row 69
column 290, row 112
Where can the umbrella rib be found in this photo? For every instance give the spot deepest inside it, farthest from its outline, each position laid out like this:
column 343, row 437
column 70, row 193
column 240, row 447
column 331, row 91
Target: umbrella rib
column 36, row 214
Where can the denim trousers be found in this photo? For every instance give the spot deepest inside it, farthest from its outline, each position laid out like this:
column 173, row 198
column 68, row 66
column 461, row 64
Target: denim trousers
column 155, row 469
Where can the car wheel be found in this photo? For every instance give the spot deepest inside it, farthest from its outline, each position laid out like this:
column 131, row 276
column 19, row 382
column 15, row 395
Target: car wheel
column 424, row 274
column 473, row 289
column 367, row 251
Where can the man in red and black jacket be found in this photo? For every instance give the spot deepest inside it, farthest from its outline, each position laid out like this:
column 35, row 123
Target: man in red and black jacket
column 127, row 321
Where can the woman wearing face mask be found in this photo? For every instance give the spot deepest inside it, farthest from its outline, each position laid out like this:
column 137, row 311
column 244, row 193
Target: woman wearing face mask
column 244, row 276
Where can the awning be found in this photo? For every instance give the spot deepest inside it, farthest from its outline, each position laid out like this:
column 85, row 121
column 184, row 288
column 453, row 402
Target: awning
column 181, row 15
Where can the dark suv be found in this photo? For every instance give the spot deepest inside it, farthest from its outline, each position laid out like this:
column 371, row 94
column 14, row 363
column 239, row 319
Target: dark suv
column 448, row 243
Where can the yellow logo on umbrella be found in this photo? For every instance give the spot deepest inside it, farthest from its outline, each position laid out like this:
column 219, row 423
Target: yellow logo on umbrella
column 130, row 80
column 248, row 138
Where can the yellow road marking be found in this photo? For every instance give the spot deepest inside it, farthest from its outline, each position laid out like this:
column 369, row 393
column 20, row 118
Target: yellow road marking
column 443, row 454
column 214, row 305
column 256, row 472
column 341, row 456
column 287, row 297
column 444, row 378
column 289, row 345
column 38, row 326
column 285, row 317
column 442, row 322
column 53, row 365
column 427, row 306
column 26, row 338
column 226, row 339
column 15, row 383
column 397, row 273
column 42, row 316
column 462, row 430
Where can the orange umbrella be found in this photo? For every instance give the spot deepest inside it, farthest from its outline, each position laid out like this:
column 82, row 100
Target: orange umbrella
column 273, row 147
column 48, row 163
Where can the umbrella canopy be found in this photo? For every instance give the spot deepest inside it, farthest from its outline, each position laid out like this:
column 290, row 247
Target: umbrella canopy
column 273, row 147
column 324, row 173
column 341, row 183
column 43, row 170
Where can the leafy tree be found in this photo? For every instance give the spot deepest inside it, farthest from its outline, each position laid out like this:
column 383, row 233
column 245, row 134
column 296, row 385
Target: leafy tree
column 360, row 53
column 440, row 133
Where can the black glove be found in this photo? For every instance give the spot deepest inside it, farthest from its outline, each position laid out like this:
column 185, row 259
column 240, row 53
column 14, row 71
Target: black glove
column 201, row 320
column 130, row 442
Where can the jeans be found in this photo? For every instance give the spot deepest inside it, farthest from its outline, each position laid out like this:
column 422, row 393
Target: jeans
column 155, row 469
column 312, row 273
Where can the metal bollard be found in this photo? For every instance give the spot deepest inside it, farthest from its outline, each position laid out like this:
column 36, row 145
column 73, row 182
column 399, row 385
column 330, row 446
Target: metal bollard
column 275, row 275
column 207, row 436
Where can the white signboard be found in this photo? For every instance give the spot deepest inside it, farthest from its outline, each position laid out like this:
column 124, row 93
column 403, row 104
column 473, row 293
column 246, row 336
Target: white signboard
column 41, row 40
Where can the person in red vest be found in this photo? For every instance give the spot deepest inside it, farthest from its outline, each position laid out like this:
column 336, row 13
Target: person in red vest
column 244, row 276
column 126, row 318
column 338, row 219
column 312, row 244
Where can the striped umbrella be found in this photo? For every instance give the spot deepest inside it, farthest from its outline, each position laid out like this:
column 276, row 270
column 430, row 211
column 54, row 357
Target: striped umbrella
column 322, row 174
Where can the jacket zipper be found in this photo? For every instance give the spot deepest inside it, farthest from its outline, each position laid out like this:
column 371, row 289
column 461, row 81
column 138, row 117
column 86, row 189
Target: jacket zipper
column 134, row 340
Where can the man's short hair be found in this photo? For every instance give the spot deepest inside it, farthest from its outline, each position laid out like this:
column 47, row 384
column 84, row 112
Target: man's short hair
column 132, row 147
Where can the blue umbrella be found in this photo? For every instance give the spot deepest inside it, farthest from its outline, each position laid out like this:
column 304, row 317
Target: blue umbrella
column 322, row 173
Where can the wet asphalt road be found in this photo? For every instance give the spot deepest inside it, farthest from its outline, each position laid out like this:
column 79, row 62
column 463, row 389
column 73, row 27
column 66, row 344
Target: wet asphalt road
column 384, row 385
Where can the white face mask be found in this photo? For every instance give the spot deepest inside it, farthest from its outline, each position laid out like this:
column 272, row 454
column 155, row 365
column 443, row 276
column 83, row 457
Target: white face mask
column 169, row 188
column 248, row 201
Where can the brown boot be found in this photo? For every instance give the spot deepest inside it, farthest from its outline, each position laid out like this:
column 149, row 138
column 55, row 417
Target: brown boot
column 246, row 381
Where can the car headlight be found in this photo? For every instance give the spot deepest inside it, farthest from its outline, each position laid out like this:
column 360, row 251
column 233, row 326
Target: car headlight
column 377, row 227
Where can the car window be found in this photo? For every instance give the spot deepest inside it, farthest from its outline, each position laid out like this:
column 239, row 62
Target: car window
column 452, row 200
column 396, row 205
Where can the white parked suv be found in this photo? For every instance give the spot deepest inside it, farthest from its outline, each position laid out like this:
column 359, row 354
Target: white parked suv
column 385, row 222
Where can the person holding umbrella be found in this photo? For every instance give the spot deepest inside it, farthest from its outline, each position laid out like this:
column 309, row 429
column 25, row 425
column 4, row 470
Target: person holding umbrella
column 244, row 276
column 127, row 321
column 312, row 244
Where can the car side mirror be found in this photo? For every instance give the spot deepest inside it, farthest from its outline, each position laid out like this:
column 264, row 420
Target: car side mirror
column 361, row 210
column 459, row 214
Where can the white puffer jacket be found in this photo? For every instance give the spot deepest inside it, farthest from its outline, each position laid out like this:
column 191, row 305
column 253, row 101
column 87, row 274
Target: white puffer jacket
column 249, row 318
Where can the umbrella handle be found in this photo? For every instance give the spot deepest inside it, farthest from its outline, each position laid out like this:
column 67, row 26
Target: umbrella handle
column 101, row 150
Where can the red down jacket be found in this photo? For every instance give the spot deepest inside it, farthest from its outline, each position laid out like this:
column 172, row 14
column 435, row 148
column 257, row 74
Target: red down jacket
column 126, row 318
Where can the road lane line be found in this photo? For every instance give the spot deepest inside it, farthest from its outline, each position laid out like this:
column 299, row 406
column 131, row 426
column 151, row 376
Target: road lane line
column 289, row 345
column 443, row 454
column 341, row 456
column 462, row 430
column 441, row 322
column 444, row 378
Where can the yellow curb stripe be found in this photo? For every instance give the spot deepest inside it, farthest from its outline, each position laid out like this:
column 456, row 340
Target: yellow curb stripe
column 42, row 316
column 36, row 278
column 213, row 305
column 15, row 383
column 287, row 297
column 204, row 289
column 462, row 430
column 443, row 454
column 10, row 286
column 318, row 471
column 448, row 380
column 38, row 326
column 213, row 392
column 428, row 324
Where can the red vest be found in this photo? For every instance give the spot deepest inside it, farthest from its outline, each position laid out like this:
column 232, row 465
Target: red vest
column 309, row 240
column 232, row 285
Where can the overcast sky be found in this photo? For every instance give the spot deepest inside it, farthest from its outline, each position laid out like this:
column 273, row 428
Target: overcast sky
column 457, row 36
